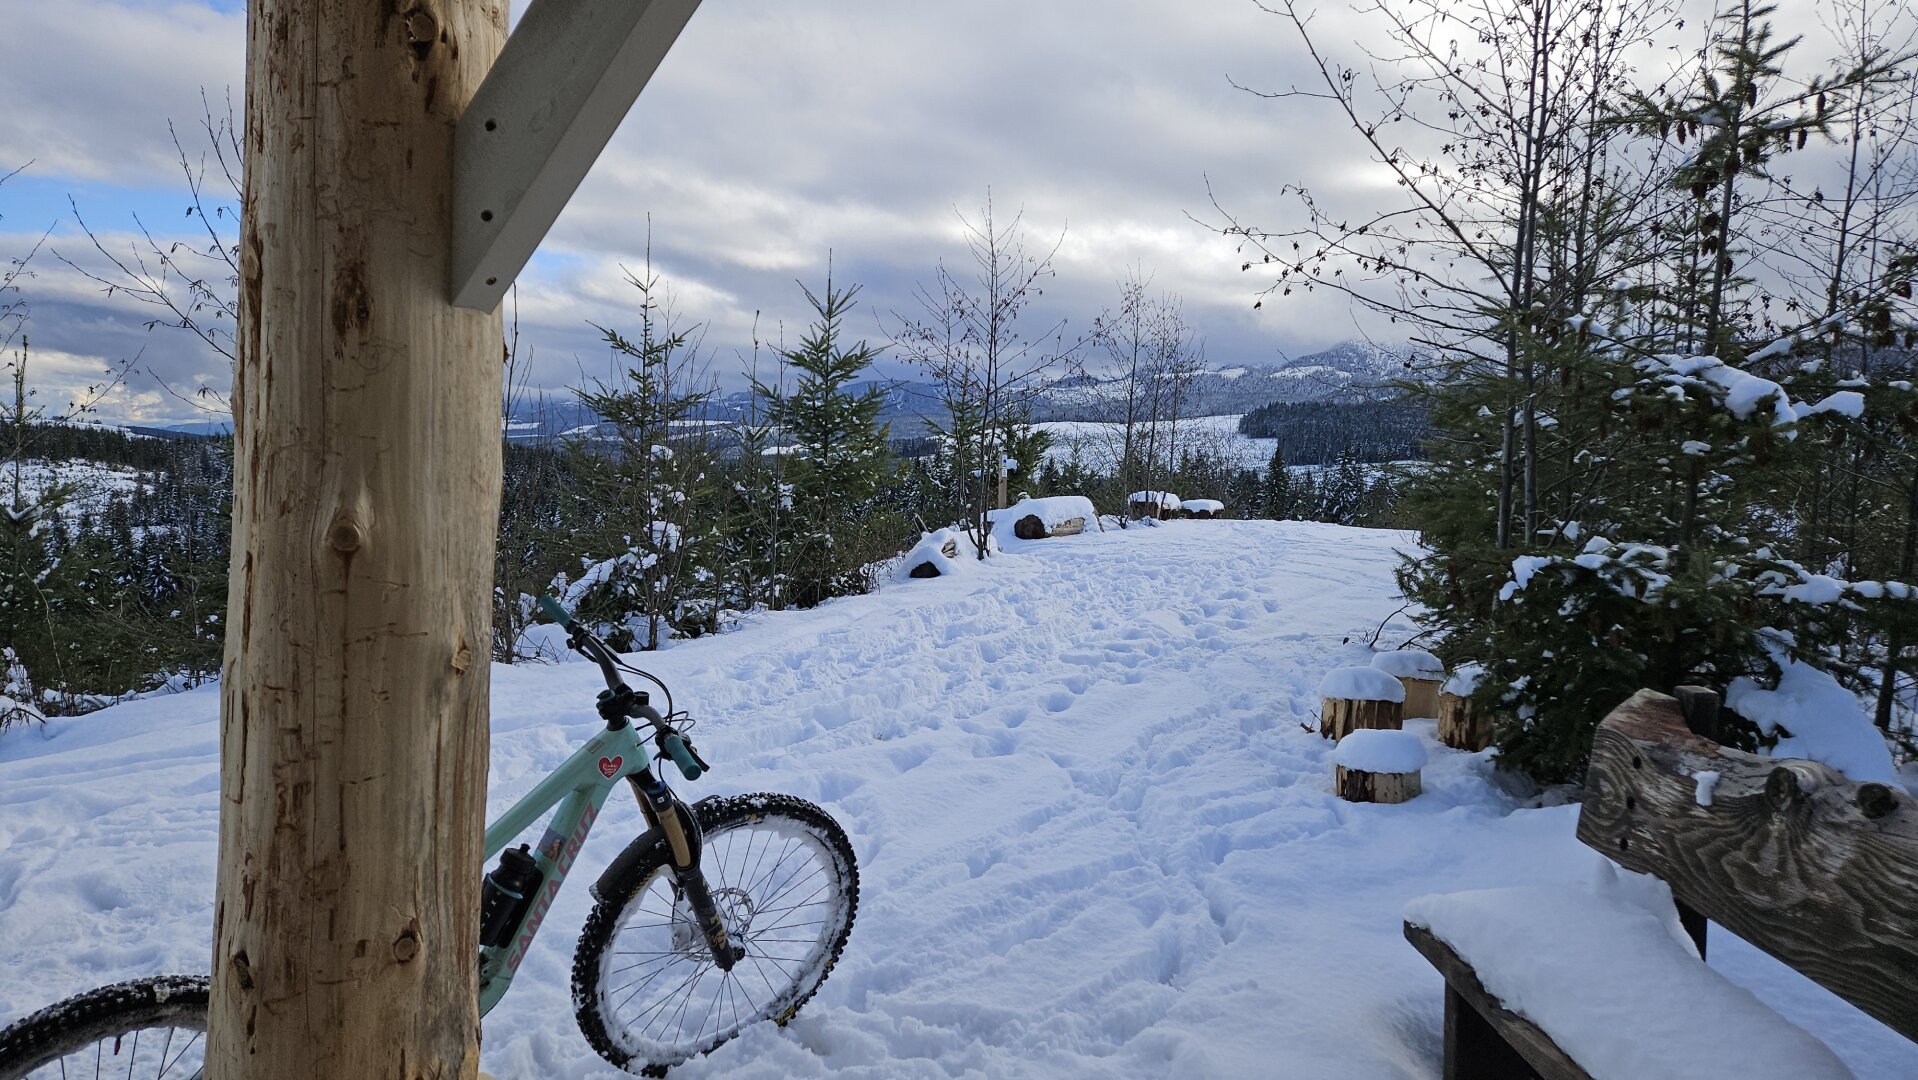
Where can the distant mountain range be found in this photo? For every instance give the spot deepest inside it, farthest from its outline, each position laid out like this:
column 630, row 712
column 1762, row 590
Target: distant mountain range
column 1350, row 371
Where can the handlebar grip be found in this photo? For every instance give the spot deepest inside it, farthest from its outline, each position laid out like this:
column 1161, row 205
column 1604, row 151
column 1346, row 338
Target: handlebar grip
column 675, row 748
column 551, row 609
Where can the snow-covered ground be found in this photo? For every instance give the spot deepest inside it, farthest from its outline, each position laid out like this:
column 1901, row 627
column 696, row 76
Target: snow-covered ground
column 1095, row 840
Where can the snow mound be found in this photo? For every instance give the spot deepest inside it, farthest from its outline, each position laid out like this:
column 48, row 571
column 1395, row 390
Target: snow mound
column 1464, row 681
column 1369, row 750
column 1202, row 506
column 1636, row 973
column 1409, row 664
column 1361, row 684
column 1818, row 718
column 931, row 548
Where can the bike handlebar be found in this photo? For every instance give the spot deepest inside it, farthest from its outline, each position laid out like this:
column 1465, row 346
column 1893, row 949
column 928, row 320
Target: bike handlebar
column 583, row 640
column 675, row 748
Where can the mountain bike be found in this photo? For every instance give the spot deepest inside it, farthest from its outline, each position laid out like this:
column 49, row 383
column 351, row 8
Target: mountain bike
column 722, row 914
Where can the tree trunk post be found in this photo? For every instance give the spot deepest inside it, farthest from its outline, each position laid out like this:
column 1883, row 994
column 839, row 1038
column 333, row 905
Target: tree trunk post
column 366, row 495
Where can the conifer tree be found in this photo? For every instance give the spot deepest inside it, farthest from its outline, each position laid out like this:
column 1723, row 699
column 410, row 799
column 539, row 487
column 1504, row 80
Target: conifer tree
column 1275, row 492
column 840, row 457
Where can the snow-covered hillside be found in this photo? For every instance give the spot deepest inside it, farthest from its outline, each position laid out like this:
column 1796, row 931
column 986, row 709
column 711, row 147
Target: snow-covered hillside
column 1095, row 840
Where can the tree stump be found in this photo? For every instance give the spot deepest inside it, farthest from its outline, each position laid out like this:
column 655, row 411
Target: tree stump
column 1421, row 696
column 1357, row 785
column 1462, row 727
column 1339, row 717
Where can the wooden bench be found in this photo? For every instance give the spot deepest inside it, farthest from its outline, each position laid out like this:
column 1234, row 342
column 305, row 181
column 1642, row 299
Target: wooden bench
column 1814, row 869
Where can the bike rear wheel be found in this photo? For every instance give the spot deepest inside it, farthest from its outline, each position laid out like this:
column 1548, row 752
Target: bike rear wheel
column 148, row 1029
column 783, row 876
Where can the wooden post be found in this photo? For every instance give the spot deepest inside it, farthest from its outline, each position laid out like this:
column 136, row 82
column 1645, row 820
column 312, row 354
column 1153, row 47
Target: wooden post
column 1699, row 706
column 366, row 496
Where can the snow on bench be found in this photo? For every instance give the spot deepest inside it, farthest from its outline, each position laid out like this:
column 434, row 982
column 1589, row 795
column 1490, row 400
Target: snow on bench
column 1036, row 519
column 1606, row 972
column 1816, row 869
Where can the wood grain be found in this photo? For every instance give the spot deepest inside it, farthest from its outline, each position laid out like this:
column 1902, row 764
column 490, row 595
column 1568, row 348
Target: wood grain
column 1817, row 870
column 366, row 498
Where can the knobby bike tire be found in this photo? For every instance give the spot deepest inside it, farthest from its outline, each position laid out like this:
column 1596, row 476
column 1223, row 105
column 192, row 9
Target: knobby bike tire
column 105, row 1020
column 642, row 871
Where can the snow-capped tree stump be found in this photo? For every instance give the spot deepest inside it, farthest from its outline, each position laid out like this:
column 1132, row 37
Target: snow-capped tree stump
column 1378, row 766
column 1461, row 725
column 1419, row 672
column 1356, row 698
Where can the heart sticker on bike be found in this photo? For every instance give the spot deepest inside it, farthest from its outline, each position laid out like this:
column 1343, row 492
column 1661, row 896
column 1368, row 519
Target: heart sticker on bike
column 609, row 766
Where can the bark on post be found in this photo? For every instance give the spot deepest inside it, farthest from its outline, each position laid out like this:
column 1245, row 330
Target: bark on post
column 366, row 495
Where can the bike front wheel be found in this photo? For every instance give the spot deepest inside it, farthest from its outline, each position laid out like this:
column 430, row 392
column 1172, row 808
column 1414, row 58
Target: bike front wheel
column 148, row 1029
column 782, row 874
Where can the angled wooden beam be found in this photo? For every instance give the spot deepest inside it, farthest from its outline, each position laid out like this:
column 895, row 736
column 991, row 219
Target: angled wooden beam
column 568, row 75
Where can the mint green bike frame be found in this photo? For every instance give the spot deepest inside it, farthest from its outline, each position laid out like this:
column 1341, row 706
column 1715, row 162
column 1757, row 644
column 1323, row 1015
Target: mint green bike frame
column 579, row 788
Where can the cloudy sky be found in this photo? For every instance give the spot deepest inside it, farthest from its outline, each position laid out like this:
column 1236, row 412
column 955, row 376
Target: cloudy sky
column 775, row 132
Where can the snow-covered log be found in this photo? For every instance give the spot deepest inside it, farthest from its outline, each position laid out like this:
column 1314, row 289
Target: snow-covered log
column 1378, row 766
column 1355, row 698
column 1419, row 672
column 1037, row 519
column 1203, row 509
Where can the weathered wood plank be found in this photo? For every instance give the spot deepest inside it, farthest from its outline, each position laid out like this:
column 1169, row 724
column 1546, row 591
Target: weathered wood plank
column 1817, row 870
column 1527, row 1052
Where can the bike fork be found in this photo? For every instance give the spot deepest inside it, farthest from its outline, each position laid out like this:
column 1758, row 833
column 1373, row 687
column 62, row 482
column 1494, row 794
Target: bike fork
column 666, row 813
